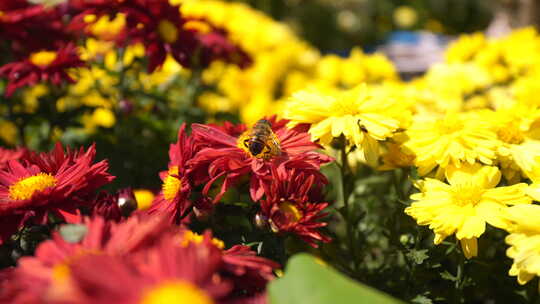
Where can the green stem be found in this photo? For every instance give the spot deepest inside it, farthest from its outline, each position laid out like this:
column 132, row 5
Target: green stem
column 346, row 191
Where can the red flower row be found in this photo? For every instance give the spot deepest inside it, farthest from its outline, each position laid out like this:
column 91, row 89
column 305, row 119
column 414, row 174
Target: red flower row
column 140, row 260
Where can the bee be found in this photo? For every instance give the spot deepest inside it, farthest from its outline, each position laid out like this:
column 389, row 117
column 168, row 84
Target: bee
column 261, row 141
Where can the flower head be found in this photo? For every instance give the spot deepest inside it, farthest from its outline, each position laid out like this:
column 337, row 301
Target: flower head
column 226, row 156
column 464, row 205
column 356, row 114
column 294, row 203
column 456, row 139
column 54, row 182
column 44, row 65
column 173, row 200
column 524, row 241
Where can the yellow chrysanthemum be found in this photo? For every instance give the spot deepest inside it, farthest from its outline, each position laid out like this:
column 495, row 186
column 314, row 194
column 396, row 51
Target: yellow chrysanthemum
column 465, row 204
column 516, row 127
column 362, row 119
column 465, row 48
column 450, row 140
column 524, row 241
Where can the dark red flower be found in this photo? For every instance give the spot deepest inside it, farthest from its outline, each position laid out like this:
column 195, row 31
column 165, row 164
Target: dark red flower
column 41, row 66
column 30, row 27
column 173, row 200
column 224, row 156
column 161, row 28
column 54, row 182
column 293, row 203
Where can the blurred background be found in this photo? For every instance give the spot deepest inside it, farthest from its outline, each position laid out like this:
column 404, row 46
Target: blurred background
column 334, row 25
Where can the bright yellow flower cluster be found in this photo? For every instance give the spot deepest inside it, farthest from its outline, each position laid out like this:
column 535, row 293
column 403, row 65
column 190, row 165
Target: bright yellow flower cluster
column 282, row 63
column 471, row 128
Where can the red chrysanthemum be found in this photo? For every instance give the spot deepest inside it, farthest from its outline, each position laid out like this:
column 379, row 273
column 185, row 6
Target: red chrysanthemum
column 136, row 256
column 31, row 27
column 46, row 276
column 187, row 274
column 8, row 154
column 54, row 182
column 161, row 28
column 173, row 200
column 41, row 66
column 224, row 156
column 294, row 203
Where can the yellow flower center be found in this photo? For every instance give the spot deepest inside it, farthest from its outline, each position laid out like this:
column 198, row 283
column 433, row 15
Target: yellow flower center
column 449, row 125
column 172, row 184
column 60, row 273
column 144, row 198
column 192, row 237
column 43, row 58
column 176, row 292
column 291, row 212
column 467, row 194
column 168, row 31
column 511, row 134
column 344, row 106
column 25, row 188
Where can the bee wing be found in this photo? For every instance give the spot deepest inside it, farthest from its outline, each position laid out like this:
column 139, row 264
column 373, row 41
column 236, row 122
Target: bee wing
column 207, row 133
column 273, row 144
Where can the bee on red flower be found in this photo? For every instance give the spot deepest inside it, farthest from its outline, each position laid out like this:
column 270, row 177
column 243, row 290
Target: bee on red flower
column 253, row 153
column 54, row 182
column 294, row 203
column 41, row 66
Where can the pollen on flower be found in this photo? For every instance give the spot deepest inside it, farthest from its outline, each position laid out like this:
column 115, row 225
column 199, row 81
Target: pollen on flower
column 510, row 134
column 175, row 292
column 60, row 273
column 25, row 188
column 192, row 237
column 43, row 58
column 449, row 125
column 290, row 211
column 467, row 194
column 167, row 31
column 172, row 184
column 343, row 106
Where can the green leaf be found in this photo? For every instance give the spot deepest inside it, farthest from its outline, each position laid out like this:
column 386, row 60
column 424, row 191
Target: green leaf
column 420, row 299
column 73, row 233
column 448, row 276
column 307, row 281
column 417, row 256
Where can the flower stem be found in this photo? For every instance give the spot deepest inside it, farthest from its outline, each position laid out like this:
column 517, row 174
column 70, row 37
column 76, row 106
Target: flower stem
column 346, row 191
